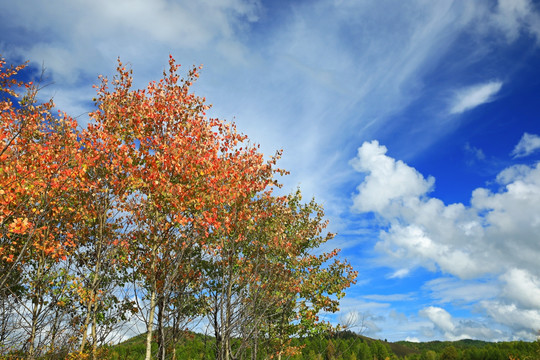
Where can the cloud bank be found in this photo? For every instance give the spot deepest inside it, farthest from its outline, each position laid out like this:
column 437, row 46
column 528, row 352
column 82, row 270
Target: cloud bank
column 491, row 243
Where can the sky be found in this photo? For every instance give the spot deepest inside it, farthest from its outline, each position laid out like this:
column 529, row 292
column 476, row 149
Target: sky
column 415, row 123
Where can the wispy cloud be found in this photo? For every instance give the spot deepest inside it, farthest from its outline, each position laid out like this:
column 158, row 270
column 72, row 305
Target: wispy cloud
column 527, row 145
column 516, row 16
column 471, row 97
column 391, row 297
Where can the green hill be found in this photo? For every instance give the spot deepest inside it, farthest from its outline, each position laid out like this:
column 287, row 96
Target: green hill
column 347, row 346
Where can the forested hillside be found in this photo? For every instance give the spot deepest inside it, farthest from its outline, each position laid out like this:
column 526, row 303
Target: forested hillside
column 349, row 346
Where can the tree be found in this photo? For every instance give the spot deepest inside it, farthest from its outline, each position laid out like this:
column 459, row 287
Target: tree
column 39, row 168
column 449, row 353
column 154, row 194
column 267, row 286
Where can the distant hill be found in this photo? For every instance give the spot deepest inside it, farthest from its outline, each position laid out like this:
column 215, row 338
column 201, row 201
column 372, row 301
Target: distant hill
column 439, row 345
column 347, row 345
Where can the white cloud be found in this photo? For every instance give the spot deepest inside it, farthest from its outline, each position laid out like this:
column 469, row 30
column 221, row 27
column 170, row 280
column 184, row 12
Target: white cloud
column 528, row 144
column 476, row 153
column 451, row 290
column 412, row 339
column 400, row 273
column 455, row 329
column 521, row 288
column 76, row 39
column 440, row 317
column 517, row 16
column 471, row 97
column 495, row 238
column 513, row 173
column 387, row 181
column 391, row 297
column 526, row 322
column 512, row 219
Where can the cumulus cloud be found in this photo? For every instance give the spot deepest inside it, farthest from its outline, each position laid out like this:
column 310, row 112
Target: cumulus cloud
column 440, row 317
column 471, row 97
column 528, row 144
column 388, row 181
column 489, row 249
column 522, row 288
column 455, row 329
column 524, row 322
column 412, row 339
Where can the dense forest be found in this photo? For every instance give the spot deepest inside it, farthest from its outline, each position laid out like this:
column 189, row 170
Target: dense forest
column 346, row 345
column 147, row 218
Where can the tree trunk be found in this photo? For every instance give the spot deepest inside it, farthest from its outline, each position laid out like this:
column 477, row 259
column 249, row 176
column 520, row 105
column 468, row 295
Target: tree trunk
column 92, row 302
column 85, row 326
column 255, row 345
column 217, row 332
column 94, row 332
column 37, row 303
column 32, row 339
column 228, row 314
column 150, row 325
column 54, row 330
column 161, row 331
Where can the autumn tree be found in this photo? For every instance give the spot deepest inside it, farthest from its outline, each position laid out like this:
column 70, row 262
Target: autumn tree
column 155, row 194
column 266, row 284
column 182, row 168
column 39, row 168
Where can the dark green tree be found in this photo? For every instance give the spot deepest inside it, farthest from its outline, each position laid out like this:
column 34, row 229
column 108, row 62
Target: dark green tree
column 449, row 353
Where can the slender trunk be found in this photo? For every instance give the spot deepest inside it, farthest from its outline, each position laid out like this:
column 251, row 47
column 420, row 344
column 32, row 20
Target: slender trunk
column 32, row 339
column 92, row 302
column 54, row 329
column 160, row 329
column 255, row 346
column 150, row 325
column 85, row 326
column 174, row 335
column 94, row 331
column 228, row 315
column 217, row 332
column 227, row 349
column 102, row 220
column 37, row 303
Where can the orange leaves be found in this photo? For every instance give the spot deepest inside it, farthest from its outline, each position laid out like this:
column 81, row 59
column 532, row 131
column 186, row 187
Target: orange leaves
column 175, row 196
column 38, row 173
column 20, row 226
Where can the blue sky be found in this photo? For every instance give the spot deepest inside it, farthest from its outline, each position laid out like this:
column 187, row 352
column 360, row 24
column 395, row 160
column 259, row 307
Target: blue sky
column 415, row 123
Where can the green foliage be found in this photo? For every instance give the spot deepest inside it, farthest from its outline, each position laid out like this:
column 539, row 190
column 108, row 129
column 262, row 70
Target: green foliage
column 449, row 353
column 350, row 346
